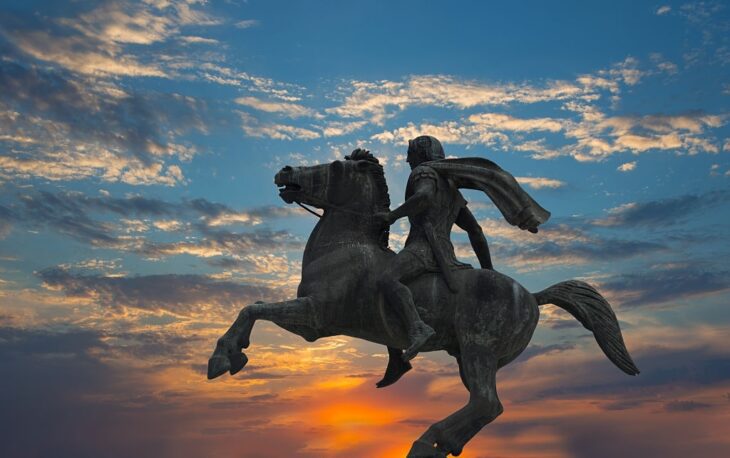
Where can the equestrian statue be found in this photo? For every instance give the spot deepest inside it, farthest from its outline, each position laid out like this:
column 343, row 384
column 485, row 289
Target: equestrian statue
column 421, row 299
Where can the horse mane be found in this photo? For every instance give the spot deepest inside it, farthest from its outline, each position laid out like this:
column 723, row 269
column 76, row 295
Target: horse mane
column 382, row 202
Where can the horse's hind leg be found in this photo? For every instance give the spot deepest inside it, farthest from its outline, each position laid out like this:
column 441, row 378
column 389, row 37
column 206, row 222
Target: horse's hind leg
column 227, row 356
column 479, row 369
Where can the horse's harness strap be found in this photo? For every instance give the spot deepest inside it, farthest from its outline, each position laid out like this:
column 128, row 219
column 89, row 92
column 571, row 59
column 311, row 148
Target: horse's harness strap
column 326, row 205
column 308, row 209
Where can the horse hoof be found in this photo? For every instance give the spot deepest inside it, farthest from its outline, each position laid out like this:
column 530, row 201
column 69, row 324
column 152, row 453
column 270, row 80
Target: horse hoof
column 237, row 362
column 422, row 449
column 217, row 366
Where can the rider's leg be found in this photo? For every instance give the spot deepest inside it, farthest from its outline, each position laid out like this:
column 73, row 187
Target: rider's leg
column 403, row 267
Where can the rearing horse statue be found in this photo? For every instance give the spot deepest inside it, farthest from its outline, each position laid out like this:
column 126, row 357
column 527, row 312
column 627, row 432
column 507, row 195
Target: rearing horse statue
column 485, row 325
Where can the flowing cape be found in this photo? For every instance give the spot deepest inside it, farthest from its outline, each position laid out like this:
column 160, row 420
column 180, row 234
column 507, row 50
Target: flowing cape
column 517, row 207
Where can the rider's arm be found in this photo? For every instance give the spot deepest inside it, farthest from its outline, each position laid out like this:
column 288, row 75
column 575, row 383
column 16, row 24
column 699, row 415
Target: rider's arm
column 466, row 221
column 423, row 191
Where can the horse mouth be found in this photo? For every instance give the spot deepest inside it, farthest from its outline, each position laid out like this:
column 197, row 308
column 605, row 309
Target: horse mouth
column 289, row 191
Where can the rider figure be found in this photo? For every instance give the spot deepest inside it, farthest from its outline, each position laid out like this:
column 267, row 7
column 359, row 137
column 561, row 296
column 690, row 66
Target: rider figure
column 433, row 204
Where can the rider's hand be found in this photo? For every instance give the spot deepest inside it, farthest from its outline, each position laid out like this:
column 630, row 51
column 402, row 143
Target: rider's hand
column 530, row 224
column 383, row 218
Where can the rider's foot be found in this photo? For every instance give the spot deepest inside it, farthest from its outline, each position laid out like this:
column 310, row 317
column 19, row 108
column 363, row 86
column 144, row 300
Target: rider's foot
column 396, row 368
column 422, row 449
column 418, row 335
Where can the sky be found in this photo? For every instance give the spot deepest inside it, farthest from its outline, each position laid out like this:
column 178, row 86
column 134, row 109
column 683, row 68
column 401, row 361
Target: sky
column 138, row 215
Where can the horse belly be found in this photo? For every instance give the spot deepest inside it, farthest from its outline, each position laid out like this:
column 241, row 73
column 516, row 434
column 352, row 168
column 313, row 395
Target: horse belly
column 502, row 315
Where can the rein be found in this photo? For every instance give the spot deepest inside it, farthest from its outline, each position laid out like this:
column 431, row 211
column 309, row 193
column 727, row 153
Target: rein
column 325, row 205
column 308, row 209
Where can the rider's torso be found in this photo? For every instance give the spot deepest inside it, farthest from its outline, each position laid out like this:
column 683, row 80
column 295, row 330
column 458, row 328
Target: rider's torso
column 444, row 208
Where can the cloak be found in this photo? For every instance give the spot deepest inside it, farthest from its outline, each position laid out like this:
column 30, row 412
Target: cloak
column 517, row 207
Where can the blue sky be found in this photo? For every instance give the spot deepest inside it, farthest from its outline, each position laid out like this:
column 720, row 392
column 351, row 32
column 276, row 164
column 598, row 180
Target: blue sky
column 138, row 145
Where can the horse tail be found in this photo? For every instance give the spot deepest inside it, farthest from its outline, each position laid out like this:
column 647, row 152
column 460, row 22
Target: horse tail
column 595, row 314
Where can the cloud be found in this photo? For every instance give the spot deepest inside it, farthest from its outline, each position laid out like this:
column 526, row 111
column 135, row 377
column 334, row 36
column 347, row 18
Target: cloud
column 126, row 22
column 251, row 217
column 663, row 124
column 217, row 243
column 685, row 406
column 700, row 13
column 95, row 41
column 595, row 249
column 70, row 214
column 199, row 40
column 254, row 263
column 82, row 130
column 6, row 215
column 246, row 23
column 540, row 182
column 597, row 137
column 380, row 100
column 31, row 353
column 336, row 128
column 254, row 128
column 498, row 121
column 664, row 9
column 121, row 386
column 447, row 132
column 123, row 39
column 666, row 284
column 43, row 205
column 664, row 65
column 661, row 213
column 375, row 99
column 627, row 166
column 291, row 110
column 179, row 294
column 219, row 74
column 591, row 138
column 297, row 388
column 484, row 128
column 83, row 218
column 535, row 350
column 555, row 245
column 75, row 53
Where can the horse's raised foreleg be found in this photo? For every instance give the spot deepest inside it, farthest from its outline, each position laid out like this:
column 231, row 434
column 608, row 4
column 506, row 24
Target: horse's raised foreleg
column 227, row 356
column 479, row 370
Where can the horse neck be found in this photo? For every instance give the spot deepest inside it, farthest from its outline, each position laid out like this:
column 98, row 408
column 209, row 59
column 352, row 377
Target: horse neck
column 340, row 228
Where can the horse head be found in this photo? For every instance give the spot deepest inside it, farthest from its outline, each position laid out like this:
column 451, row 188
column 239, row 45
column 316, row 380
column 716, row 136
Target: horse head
column 355, row 185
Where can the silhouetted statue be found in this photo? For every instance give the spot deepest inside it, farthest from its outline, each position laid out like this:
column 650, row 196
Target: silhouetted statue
column 480, row 316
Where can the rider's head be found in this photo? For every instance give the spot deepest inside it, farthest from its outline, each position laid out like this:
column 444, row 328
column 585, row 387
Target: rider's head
column 424, row 148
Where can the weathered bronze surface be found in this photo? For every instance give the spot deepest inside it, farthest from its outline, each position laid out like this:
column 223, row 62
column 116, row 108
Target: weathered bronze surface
column 421, row 299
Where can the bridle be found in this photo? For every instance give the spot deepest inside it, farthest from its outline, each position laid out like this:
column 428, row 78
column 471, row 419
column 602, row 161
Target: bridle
column 308, row 209
column 325, row 205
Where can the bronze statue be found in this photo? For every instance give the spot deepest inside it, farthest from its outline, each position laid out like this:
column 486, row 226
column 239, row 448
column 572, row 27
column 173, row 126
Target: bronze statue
column 480, row 316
